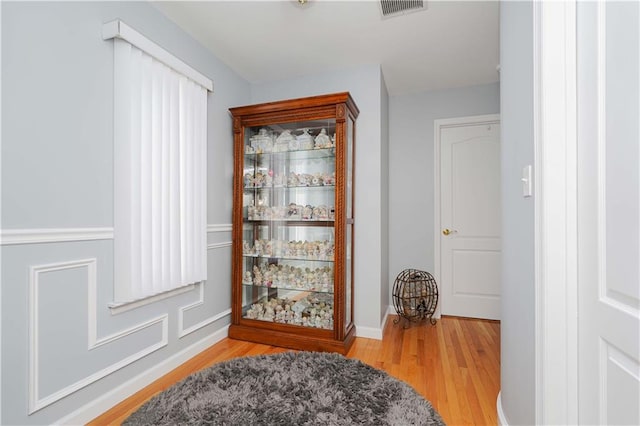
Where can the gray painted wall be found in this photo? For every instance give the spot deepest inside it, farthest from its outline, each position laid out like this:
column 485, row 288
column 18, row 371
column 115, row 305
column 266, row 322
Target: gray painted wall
column 518, row 296
column 411, row 157
column 364, row 84
column 57, row 172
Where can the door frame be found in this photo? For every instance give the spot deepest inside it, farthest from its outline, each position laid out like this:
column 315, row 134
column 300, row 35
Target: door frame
column 438, row 125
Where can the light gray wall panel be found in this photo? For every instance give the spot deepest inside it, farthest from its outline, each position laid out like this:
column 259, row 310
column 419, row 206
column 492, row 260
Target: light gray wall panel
column 57, row 172
column 217, row 290
column 411, row 160
column 219, row 237
column 518, row 296
column 61, row 365
column 57, row 133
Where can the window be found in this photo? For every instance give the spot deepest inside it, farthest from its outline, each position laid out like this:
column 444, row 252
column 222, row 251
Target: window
column 160, row 141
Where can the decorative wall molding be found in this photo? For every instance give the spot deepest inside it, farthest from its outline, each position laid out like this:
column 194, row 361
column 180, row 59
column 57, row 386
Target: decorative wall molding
column 103, row 402
column 35, row 401
column 61, row 235
column 219, row 227
column 219, row 245
column 182, row 331
column 57, row 235
column 53, row 235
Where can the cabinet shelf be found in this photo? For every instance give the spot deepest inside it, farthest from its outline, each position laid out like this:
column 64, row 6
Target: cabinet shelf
column 288, row 288
column 300, row 154
column 306, row 259
column 284, row 187
column 292, row 222
column 303, row 297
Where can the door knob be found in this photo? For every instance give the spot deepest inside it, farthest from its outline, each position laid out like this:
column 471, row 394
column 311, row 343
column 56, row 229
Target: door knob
column 446, row 231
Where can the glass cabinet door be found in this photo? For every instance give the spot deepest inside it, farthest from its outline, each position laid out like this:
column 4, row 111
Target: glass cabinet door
column 348, row 286
column 288, row 235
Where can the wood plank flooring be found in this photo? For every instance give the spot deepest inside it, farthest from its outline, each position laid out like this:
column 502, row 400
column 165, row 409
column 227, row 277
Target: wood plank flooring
column 454, row 364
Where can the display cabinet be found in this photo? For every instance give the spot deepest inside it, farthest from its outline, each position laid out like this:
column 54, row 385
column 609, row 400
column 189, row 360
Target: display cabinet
column 293, row 220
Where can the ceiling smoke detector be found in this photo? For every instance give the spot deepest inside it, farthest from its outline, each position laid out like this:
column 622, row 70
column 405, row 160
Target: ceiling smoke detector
column 391, row 8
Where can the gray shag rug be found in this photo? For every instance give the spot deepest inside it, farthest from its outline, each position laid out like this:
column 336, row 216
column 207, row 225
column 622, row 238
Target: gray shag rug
column 289, row 388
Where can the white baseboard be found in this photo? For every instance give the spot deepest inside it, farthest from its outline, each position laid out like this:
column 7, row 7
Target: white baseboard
column 369, row 332
column 100, row 405
column 374, row 333
column 502, row 419
column 384, row 322
column 390, row 311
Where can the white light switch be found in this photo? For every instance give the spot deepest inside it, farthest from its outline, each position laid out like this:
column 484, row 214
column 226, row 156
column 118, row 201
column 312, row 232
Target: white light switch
column 527, row 184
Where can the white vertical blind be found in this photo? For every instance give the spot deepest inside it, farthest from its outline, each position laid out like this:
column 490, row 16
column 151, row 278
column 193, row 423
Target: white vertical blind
column 160, row 176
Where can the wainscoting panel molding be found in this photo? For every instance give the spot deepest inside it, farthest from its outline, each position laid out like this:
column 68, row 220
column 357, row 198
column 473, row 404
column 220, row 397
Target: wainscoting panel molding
column 219, row 245
column 53, row 235
column 59, row 235
column 102, row 403
column 200, row 302
column 219, row 227
column 182, row 331
column 36, row 402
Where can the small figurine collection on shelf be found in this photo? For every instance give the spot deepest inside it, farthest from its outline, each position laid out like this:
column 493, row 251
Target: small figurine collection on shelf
column 304, row 250
column 290, row 277
column 291, row 212
column 292, row 180
column 267, row 141
column 310, row 311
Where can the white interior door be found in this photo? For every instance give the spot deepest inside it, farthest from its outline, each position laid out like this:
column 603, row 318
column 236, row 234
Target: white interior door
column 470, row 216
column 608, row 40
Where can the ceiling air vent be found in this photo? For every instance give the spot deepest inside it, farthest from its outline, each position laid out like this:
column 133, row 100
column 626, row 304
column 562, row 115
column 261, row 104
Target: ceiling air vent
column 392, row 8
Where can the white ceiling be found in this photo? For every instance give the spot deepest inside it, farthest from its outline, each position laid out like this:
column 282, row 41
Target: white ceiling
column 451, row 44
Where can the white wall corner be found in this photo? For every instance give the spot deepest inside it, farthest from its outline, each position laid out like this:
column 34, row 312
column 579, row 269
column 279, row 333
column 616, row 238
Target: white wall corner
column 372, row 332
column 369, row 332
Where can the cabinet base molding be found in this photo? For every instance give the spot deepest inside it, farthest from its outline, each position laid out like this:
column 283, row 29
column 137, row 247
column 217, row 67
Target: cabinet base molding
column 292, row 341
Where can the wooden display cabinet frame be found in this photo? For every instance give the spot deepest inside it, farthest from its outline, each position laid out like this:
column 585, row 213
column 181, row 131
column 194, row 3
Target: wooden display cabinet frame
column 342, row 108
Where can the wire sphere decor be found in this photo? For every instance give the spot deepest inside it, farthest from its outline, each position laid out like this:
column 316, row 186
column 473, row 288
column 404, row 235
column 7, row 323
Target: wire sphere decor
column 415, row 296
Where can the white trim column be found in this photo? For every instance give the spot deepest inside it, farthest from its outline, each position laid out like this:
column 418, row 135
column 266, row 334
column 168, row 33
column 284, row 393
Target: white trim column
column 555, row 148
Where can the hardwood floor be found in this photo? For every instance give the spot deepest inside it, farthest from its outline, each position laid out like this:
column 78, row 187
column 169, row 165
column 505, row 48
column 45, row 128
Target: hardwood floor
column 454, row 364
